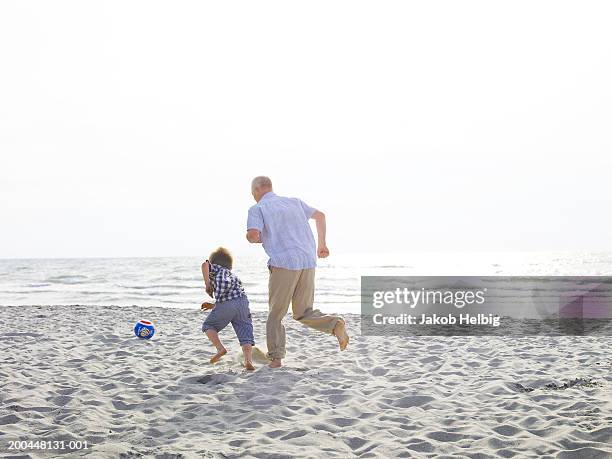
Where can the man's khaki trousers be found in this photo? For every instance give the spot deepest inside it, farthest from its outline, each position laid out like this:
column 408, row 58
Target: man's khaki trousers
column 296, row 287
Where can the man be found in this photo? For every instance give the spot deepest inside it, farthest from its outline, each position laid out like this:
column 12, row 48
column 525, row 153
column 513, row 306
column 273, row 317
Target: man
column 281, row 225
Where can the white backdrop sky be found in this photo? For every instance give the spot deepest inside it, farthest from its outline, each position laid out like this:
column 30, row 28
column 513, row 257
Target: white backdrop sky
column 134, row 128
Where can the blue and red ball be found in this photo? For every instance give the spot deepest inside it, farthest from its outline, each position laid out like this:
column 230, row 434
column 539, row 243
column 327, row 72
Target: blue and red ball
column 144, row 329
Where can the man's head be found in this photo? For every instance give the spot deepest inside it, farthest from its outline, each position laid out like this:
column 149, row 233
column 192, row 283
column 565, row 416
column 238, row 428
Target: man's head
column 260, row 186
column 222, row 257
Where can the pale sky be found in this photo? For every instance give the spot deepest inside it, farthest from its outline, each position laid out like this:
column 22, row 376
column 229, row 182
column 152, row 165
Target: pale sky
column 134, row 128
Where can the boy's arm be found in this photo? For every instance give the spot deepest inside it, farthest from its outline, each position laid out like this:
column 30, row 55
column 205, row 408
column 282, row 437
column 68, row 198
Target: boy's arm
column 206, row 275
column 322, row 250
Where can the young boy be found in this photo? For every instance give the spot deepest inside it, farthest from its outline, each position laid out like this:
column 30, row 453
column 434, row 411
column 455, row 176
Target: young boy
column 232, row 305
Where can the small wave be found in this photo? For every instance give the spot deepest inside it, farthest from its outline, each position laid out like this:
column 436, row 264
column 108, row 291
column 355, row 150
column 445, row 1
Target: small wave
column 140, row 295
column 92, row 292
column 155, row 294
column 143, row 302
column 183, row 278
column 68, row 279
column 69, row 276
column 155, row 286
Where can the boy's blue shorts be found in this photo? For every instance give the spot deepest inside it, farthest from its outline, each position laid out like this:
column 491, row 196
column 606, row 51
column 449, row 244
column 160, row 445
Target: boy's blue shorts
column 235, row 311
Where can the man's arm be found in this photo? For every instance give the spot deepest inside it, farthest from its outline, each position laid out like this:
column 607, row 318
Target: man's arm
column 255, row 225
column 253, row 236
column 322, row 250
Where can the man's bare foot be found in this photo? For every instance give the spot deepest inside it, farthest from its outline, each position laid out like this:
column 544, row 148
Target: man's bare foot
column 275, row 363
column 341, row 335
column 249, row 366
column 215, row 358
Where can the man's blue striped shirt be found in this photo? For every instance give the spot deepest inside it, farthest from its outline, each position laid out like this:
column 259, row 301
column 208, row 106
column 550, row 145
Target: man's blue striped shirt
column 285, row 232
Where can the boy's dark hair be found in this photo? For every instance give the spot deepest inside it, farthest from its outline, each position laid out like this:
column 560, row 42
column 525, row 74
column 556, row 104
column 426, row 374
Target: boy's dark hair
column 222, row 257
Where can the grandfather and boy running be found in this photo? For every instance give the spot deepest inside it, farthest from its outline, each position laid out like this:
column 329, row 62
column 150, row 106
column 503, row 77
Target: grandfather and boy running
column 281, row 225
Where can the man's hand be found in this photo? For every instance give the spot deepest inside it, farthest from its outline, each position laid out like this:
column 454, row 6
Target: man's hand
column 253, row 236
column 207, row 306
column 322, row 250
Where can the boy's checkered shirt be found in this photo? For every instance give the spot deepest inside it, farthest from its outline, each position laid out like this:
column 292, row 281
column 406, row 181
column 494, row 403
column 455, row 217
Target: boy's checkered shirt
column 226, row 285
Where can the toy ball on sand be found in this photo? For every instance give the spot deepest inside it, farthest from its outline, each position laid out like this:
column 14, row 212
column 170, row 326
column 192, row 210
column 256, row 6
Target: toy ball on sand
column 144, row 329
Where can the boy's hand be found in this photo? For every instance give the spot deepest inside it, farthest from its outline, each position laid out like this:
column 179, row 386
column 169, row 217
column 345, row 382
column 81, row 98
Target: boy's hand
column 206, row 305
column 322, row 251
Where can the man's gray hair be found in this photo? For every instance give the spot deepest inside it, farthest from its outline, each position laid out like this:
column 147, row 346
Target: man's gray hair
column 261, row 182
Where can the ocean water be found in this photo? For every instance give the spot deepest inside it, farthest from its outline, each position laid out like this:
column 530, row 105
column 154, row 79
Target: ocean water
column 177, row 281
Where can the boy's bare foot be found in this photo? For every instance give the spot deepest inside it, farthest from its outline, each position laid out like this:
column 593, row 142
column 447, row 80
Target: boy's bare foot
column 215, row 358
column 341, row 335
column 275, row 363
column 249, row 366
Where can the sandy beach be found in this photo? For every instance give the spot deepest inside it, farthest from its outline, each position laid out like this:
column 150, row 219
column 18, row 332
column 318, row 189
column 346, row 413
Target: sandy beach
column 409, row 168
column 76, row 374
